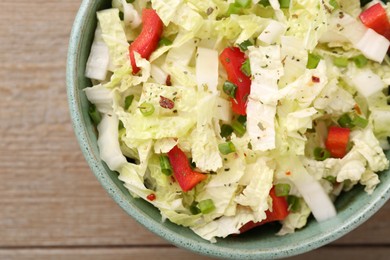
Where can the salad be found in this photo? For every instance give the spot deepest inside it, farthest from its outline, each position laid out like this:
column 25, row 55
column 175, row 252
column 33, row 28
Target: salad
column 226, row 115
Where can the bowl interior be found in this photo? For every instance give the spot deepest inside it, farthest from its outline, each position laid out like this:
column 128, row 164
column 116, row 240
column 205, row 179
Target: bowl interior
column 353, row 207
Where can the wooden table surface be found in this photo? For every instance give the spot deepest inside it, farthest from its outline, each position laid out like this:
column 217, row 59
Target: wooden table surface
column 51, row 205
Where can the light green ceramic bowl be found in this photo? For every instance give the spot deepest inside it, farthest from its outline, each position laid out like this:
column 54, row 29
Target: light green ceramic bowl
column 353, row 208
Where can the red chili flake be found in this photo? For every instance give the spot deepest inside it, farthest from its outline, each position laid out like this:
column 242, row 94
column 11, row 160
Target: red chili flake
column 315, row 79
column 357, row 109
column 168, row 81
column 151, row 197
column 288, row 173
column 166, row 103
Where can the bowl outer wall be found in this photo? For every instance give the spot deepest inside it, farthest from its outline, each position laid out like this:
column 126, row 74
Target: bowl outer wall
column 354, row 207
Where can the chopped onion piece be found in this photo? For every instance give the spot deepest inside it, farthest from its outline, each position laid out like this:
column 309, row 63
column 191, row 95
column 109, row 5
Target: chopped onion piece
column 130, row 15
column 347, row 27
column 223, row 110
column 207, row 68
column 353, row 30
column 262, row 100
column 314, row 195
column 272, row 32
column 367, row 82
column 99, row 58
column 373, row 45
column 101, row 97
column 108, row 142
column 158, row 74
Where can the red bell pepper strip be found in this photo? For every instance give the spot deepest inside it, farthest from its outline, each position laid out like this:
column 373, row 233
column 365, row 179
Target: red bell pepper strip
column 337, row 141
column 147, row 40
column 279, row 212
column 375, row 17
column 185, row 176
column 232, row 59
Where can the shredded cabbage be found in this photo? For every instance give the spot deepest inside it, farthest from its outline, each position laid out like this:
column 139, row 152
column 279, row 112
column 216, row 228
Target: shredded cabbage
column 309, row 65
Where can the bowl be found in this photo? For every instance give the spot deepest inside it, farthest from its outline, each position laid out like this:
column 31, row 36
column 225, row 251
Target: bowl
column 354, row 207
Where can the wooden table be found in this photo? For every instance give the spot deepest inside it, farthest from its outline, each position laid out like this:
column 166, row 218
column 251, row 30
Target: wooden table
column 51, row 205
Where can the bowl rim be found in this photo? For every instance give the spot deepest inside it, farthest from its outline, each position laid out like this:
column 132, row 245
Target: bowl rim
column 200, row 247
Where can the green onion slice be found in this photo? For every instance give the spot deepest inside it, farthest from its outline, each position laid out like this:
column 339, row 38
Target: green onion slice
column 341, row 62
column 238, row 128
column 226, row 130
column 284, row 3
column 128, row 101
column 230, row 89
column 242, row 119
column 165, row 165
column 146, row 109
column 94, row 114
column 226, row 148
column 359, row 121
column 345, row 120
column 206, row 206
column 321, row 154
column 312, row 61
column 360, row 61
column 294, row 203
column 282, row 189
column 234, row 9
column 194, row 208
column 244, row 45
column 246, row 68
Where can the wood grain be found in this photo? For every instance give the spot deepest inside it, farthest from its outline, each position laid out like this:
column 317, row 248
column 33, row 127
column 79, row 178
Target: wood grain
column 326, row 253
column 51, row 205
column 101, row 254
